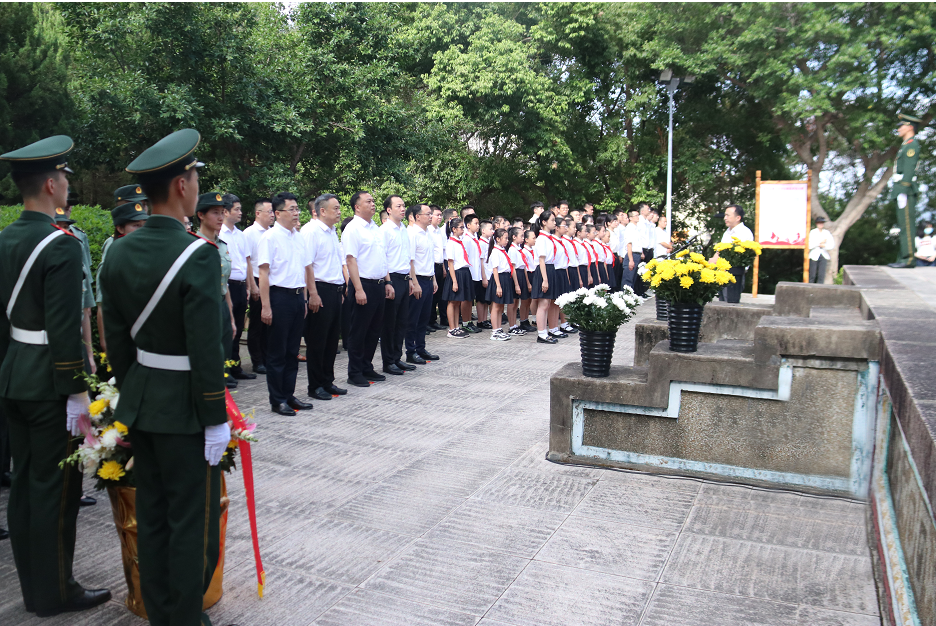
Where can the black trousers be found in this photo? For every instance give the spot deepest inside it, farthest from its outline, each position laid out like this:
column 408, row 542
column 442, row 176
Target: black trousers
column 396, row 316
column 283, row 338
column 439, row 310
column 43, row 507
column 619, row 271
column 817, row 269
column 322, row 329
column 238, row 291
column 365, row 325
column 256, row 334
column 420, row 310
column 178, row 498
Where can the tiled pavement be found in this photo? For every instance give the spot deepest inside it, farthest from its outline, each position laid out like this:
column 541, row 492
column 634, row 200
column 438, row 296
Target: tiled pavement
column 426, row 500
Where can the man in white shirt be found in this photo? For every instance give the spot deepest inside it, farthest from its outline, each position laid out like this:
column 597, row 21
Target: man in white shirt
column 403, row 279
column 420, row 306
column 436, row 230
column 283, row 258
column 820, row 242
column 239, row 250
column 326, row 283
column 537, row 208
column 647, row 236
column 369, row 288
column 256, row 334
column 734, row 220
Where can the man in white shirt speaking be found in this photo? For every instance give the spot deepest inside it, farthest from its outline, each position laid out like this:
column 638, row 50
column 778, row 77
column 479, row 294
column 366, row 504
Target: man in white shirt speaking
column 734, row 220
column 820, row 242
column 326, row 282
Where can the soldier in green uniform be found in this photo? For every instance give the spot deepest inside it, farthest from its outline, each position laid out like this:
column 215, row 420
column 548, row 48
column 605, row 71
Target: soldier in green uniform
column 160, row 301
column 63, row 219
column 42, row 393
column 131, row 193
column 905, row 190
column 128, row 215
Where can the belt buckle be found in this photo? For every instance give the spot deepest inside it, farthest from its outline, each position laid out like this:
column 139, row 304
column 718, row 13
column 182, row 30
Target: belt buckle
column 381, row 281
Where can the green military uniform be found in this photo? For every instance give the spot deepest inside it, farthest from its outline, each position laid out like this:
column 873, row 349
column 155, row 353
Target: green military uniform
column 123, row 213
column 171, row 379
column 41, row 358
column 905, row 168
column 87, row 291
column 205, row 202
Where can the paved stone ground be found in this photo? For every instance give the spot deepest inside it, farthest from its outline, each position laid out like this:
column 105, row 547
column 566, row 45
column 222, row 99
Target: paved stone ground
column 427, row 501
column 921, row 280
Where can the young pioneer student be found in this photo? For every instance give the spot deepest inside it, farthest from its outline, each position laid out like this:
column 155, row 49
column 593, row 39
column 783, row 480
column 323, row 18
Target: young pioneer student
column 585, row 257
column 529, row 265
column 485, row 231
column 544, row 277
column 458, row 287
column 472, row 225
column 502, row 283
column 514, row 252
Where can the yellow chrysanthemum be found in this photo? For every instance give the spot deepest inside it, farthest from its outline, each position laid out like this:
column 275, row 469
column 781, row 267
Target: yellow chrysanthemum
column 656, row 281
column 232, row 443
column 698, row 258
column 707, row 276
column 682, row 270
column 693, row 266
column 111, row 470
column 651, row 264
column 97, row 407
column 722, row 246
column 679, row 255
column 668, row 273
column 685, row 282
column 121, row 428
column 738, row 249
column 723, row 278
column 722, row 264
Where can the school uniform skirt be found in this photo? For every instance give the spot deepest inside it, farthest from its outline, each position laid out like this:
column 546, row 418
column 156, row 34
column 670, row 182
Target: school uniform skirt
column 583, row 275
column 562, row 282
column 522, row 277
column 549, row 294
column 507, row 289
column 596, row 273
column 612, row 278
column 480, row 293
column 465, row 291
column 575, row 280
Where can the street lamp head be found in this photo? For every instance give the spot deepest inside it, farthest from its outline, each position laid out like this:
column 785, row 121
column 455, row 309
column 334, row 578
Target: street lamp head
column 666, row 75
column 689, row 79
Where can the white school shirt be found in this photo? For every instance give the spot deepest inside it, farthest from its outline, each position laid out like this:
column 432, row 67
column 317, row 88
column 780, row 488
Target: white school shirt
column 238, row 249
column 396, row 242
column 325, row 252
column 437, row 235
column 363, row 240
column 572, row 247
column 420, row 242
column 584, row 258
column 252, row 234
column 472, row 245
column 742, row 232
column 817, row 237
column 485, row 265
column 456, row 251
column 284, row 250
column 661, row 237
column 516, row 257
column 528, row 260
column 544, row 247
column 563, row 253
column 499, row 261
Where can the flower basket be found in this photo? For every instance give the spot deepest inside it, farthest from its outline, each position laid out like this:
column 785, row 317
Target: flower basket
column 662, row 309
column 598, row 314
column 740, row 255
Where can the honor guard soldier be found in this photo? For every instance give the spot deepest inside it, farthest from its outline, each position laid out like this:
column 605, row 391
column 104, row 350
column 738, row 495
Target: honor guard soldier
column 63, row 219
column 160, row 295
column 42, row 393
column 905, row 190
column 131, row 193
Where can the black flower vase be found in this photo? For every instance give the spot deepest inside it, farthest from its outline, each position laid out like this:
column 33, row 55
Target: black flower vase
column 685, row 322
column 597, row 348
column 733, row 290
column 662, row 309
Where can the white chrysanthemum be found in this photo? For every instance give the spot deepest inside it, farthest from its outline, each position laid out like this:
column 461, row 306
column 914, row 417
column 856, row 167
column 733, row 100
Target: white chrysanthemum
column 109, row 439
column 581, row 291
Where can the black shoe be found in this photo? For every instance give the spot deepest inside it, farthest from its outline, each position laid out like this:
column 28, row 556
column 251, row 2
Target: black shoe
column 547, row 340
column 415, row 358
column 259, row 369
column 428, row 332
column 230, row 383
column 282, row 409
column 527, row 326
column 558, row 335
column 485, row 325
column 358, row 381
column 242, row 375
column 336, row 391
column 902, row 264
column 4, row 534
column 393, row 370
column 299, row 405
column 569, row 330
column 88, row 598
column 86, row 501
column 406, row 367
column 319, row 393
column 437, row 326
column 374, row 376
column 471, row 328
column 428, row 355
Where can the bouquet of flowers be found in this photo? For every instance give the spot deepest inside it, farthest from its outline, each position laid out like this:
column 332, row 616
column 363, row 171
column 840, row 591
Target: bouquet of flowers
column 598, row 310
column 738, row 253
column 688, row 278
column 106, row 452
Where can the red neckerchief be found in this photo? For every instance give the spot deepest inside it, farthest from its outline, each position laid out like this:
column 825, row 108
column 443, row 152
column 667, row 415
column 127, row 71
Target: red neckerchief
column 497, row 247
column 523, row 250
column 477, row 243
column 574, row 247
column 608, row 252
column 548, row 236
column 559, row 239
column 589, row 252
column 463, row 248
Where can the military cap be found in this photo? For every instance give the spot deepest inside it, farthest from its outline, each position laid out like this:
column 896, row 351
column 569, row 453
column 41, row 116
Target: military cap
column 129, row 193
column 167, row 158
column 208, row 200
column 45, row 155
column 128, row 212
column 909, row 119
column 61, row 217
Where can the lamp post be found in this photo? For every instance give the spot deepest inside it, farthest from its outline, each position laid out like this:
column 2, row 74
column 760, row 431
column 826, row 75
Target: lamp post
column 671, row 82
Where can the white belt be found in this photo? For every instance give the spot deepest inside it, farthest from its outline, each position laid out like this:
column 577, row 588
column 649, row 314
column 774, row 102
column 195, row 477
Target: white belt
column 33, row 337
column 163, row 361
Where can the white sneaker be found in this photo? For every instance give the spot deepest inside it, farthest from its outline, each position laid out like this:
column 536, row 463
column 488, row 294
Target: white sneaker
column 499, row 335
column 517, row 332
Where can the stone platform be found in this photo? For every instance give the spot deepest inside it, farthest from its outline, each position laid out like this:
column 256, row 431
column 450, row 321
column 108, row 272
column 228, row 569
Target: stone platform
column 427, row 501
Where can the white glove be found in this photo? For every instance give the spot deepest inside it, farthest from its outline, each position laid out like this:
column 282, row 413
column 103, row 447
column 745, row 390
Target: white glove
column 75, row 407
column 897, row 178
column 902, row 200
column 217, row 438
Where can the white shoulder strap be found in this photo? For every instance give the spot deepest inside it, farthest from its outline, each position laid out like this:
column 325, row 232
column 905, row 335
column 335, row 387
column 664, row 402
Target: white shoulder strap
column 164, row 284
column 28, row 266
